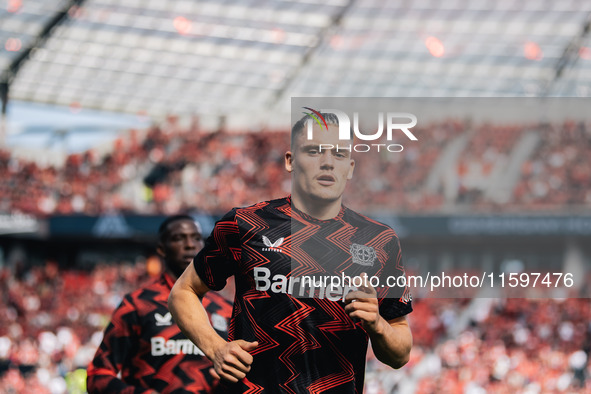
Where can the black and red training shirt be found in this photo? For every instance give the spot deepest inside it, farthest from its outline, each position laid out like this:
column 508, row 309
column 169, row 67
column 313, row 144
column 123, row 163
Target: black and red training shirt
column 143, row 349
column 307, row 343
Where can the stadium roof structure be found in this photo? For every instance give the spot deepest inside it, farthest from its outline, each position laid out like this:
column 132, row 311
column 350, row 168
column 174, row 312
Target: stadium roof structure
column 222, row 58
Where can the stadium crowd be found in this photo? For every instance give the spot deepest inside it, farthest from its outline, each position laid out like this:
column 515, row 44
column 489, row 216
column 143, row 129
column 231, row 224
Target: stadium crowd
column 169, row 170
column 559, row 172
column 54, row 320
column 172, row 168
column 522, row 345
column 487, row 152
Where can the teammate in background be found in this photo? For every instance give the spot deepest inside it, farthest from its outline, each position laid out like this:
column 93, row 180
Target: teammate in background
column 281, row 342
column 143, row 350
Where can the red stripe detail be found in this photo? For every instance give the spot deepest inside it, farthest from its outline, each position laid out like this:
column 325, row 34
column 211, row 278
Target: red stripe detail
column 318, row 113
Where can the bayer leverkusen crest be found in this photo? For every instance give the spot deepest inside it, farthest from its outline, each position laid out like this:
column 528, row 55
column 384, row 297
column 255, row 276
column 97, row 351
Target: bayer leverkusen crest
column 363, row 255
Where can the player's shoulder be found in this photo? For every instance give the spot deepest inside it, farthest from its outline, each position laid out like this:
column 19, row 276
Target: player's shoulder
column 269, row 206
column 147, row 290
column 359, row 220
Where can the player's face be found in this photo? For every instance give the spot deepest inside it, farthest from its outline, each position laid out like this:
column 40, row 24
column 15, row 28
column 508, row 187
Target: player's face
column 320, row 173
column 181, row 243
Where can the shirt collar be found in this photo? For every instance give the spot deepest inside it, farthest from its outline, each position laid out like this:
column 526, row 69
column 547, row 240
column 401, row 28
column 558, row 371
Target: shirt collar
column 168, row 279
column 309, row 218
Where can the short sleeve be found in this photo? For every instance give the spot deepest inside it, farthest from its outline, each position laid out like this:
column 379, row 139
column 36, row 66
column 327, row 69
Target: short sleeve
column 394, row 301
column 219, row 258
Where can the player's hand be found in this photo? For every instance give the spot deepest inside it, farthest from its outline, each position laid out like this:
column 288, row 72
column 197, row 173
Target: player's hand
column 232, row 360
column 363, row 305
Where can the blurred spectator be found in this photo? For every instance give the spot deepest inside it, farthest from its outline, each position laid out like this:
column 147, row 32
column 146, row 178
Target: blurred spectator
column 53, row 322
column 175, row 168
column 559, row 172
column 523, row 346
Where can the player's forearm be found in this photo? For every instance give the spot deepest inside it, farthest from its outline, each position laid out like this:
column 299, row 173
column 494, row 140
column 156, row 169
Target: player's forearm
column 189, row 314
column 391, row 343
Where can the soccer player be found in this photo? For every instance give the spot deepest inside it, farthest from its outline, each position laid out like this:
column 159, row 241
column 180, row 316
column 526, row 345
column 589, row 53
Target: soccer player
column 143, row 350
column 288, row 337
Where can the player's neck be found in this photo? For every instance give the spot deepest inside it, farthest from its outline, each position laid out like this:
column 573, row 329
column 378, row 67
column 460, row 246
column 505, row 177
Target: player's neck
column 170, row 273
column 318, row 209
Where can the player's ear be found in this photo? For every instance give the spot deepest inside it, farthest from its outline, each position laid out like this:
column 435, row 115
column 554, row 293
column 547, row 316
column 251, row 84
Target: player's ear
column 351, row 169
column 160, row 250
column 289, row 161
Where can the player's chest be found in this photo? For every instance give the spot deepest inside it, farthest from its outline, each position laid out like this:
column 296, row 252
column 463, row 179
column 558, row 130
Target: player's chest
column 157, row 321
column 290, row 248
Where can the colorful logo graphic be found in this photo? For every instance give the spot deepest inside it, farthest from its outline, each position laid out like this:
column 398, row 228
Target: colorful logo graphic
column 315, row 115
column 388, row 124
